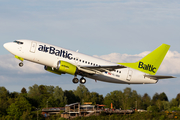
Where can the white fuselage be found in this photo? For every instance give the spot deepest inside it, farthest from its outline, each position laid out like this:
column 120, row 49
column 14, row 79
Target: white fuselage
column 32, row 51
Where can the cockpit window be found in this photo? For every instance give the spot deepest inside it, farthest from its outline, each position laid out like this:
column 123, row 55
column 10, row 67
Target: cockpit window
column 18, row 42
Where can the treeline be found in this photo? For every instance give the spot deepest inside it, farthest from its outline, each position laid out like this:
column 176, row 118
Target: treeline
column 14, row 105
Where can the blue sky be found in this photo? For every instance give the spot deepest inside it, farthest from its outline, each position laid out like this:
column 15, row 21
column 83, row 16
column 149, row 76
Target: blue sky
column 116, row 29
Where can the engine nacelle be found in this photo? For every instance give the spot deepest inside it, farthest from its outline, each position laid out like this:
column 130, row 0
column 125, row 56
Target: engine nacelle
column 49, row 69
column 66, row 67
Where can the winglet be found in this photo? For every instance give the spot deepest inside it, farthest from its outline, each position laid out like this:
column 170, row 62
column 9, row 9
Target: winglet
column 150, row 63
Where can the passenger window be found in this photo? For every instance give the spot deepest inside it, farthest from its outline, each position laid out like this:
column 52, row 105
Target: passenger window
column 88, row 62
column 79, row 60
column 83, row 61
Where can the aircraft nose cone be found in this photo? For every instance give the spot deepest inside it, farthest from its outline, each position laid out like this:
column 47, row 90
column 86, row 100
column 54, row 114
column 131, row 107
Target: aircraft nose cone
column 6, row 45
column 11, row 47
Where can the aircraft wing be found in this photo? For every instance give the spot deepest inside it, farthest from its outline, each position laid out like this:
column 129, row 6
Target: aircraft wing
column 99, row 69
column 156, row 77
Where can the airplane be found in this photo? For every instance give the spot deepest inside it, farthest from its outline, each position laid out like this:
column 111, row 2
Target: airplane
column 61, row 61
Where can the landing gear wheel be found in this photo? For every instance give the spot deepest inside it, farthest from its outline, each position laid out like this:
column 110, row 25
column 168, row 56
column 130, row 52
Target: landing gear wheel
column 82, row 80
column 21, row 64
column 75, row 80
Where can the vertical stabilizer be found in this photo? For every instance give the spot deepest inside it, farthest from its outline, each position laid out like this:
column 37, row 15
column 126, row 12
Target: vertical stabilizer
column 151, row 62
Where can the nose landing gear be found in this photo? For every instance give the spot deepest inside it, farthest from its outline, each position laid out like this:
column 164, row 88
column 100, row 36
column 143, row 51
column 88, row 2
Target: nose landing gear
column 21, row 59
column 21, row 64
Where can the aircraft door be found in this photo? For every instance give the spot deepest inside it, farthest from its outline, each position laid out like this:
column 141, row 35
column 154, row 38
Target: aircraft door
column 129, row 75
column 33, row 47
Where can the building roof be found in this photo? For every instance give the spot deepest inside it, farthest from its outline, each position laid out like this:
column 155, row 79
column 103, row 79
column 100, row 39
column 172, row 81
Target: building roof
column 72, row 104
column 87, row 105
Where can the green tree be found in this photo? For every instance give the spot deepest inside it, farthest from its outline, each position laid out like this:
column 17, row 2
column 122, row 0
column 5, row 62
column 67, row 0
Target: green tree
column 166, row 105
column 163, row 97
column 152, row 109
column 135, row 99
column 34, row 91
column 146, row 99
column 34, row 96
column 95, row 98
column 5, row 101
column 59, row 96
column 39, row 95
column 42, row 89
column 71, row 98
column 126, row 98
column 58, row 93
column 52, row 102
column 16, row 109
column 23, row 90
column 115, row 98
column 178, row 98
column 159, row 104
column 174, row 103
column 14, row 95
column 50, row 89
column 82, row 92
column 108, row 100
column 26, row 116
column 155, row 98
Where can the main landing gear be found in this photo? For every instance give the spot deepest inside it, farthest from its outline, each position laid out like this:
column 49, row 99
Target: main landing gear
column 75, row 80
column 82, row 80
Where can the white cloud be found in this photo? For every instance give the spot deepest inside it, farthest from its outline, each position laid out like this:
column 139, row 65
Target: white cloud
column 10, row 64
column 170, row 65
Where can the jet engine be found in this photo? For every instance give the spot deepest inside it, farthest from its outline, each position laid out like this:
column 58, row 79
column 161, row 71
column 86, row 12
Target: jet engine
column 49, row 69
column 66, row 67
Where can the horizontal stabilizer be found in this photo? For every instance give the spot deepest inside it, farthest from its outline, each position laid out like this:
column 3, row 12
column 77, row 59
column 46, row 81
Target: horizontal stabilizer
column 156, row 77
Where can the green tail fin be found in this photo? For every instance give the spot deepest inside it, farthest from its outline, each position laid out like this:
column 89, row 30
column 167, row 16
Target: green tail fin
column 150, row 63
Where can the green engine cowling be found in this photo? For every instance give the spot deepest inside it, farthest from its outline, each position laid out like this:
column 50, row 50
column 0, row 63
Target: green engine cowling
column 49, row 69
column 66, row 67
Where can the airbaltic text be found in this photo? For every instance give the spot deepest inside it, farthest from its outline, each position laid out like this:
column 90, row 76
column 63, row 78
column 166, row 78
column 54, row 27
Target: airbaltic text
column 148, row 67
column 53, row 50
